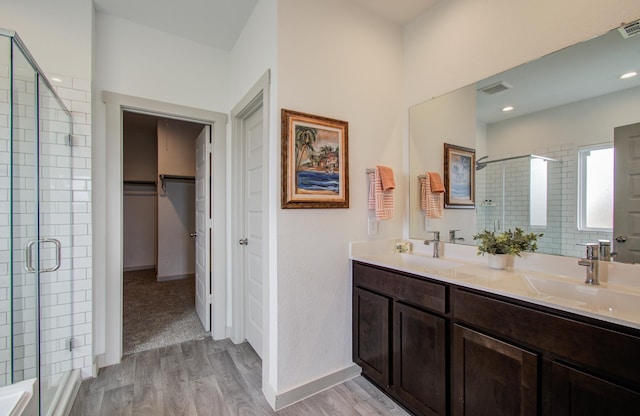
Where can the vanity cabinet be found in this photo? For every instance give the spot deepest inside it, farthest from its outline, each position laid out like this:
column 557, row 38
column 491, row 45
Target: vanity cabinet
column 399, row 336
column 538, row 357
column 371, row 324
column 440, row 349
column 492, row 377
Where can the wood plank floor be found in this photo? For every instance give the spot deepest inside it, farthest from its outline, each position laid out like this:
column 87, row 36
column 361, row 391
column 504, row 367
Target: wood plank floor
column 217, row 378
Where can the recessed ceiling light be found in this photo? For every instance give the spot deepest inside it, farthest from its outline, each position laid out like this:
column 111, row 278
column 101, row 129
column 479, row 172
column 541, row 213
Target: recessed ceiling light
column 629, row 75
column 508, row 108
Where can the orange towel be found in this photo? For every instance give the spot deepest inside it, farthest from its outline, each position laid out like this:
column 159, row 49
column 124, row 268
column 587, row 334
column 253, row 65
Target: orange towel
column 431, row 203
column 386, row 176
column 436, row 183
column 380, row 201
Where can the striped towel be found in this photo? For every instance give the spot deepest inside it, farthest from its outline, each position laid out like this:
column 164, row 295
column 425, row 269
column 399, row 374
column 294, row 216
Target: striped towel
column 380, row 201
column 431, row 203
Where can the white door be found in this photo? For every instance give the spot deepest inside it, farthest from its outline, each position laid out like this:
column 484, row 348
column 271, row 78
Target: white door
column 203, row 227
column 253, row 245
column 626, row 217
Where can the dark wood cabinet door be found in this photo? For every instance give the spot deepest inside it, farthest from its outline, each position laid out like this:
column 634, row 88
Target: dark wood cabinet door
column 419, row 359
column 371, row 338
column 579, row 394
column 491, row 377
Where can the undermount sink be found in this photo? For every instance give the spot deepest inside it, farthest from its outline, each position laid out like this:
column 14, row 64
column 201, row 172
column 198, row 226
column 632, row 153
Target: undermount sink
column 597, row 299
column 422, row 262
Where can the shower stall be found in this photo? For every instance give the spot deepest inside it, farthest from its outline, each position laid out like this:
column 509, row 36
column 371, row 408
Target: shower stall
column 521, row 191
column 36, row 304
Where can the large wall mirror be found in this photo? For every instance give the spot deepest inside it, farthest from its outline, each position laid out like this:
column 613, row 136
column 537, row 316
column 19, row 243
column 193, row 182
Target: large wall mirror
column 564, row 161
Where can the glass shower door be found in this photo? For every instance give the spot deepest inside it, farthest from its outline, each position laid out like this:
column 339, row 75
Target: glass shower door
column 41, row 237
column 55, row 236
column 24, row 217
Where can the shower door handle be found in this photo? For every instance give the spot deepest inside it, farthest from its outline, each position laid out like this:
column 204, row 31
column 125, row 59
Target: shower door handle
column 58, row 245
column 29, row 255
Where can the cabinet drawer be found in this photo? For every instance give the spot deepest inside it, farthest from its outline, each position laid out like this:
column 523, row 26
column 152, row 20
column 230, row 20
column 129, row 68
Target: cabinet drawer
column 401, row 287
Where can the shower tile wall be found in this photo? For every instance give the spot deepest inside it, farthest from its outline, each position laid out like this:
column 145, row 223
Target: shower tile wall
column 24, row 298
column 5, row 213
column 76, row 94
column 75, row 274
column 561, row 234
column 509, row 184
column 571, row 235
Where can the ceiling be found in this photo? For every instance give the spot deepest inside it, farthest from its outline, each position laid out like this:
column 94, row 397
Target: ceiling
column 218, row 23
column 584, row 70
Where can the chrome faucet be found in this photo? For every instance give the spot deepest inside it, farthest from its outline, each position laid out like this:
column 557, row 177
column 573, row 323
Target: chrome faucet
column 592, row 263
column 453, row 238
column 604, row 250
column 436, row 240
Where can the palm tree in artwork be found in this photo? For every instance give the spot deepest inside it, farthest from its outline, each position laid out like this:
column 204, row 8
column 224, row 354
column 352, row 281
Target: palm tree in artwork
column 305, row 139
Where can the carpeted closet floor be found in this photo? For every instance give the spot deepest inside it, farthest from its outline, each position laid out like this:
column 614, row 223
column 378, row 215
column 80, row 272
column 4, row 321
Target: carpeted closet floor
column 157, row 314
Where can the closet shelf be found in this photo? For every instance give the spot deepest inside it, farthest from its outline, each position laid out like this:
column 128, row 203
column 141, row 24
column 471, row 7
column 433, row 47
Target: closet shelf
column 164, row 178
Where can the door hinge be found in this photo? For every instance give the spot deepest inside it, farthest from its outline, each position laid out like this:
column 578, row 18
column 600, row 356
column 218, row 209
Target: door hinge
column 209, row 298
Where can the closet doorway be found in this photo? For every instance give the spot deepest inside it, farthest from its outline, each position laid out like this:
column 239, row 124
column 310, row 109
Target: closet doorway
column 166, row 237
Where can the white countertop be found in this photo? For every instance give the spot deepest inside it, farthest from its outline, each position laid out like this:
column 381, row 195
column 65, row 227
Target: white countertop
column 551, row 281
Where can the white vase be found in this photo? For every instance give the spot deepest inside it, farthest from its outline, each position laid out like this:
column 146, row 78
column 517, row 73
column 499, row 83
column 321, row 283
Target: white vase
column 497, row 261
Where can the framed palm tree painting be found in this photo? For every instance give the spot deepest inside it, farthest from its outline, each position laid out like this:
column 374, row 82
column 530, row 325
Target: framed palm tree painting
column 315, row 165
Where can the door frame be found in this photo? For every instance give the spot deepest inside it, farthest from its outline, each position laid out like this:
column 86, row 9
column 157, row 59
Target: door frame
column 110, row 254
column 257, row 99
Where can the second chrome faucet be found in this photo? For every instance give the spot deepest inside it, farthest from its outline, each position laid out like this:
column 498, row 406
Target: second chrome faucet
column 436, row 241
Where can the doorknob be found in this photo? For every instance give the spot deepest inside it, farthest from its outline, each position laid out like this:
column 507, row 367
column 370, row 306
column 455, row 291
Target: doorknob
column 243, row 241
column 193, row 235
column 621, row 239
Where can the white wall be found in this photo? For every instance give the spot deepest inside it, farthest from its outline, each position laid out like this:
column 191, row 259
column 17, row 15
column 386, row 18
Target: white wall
column 340, row 61
column 458, row 42
column 137, row 60
column 582, row 123
column 58, row 34
column 449, row 119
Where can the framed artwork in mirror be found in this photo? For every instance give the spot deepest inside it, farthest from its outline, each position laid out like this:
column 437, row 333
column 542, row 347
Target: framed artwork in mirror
column 315, row 163
column 459, row 176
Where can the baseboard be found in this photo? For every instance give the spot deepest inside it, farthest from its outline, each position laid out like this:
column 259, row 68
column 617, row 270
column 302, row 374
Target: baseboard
column 316, row 386
column 136, row 268
column 99, row 362
column 175, row 277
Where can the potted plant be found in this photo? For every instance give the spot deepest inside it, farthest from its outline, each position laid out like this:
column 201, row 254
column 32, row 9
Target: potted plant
column 499, row 246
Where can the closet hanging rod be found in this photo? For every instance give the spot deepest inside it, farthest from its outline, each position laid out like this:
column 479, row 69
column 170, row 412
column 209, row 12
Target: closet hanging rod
column 134, row 182
column 164, row 178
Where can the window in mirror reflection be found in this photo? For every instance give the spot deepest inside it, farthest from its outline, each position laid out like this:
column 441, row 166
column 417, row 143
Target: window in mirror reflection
column 595, row 188
column 538, row 200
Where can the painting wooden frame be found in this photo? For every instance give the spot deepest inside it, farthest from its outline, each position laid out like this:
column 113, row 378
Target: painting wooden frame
column 459, row 176
column 315, row 161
